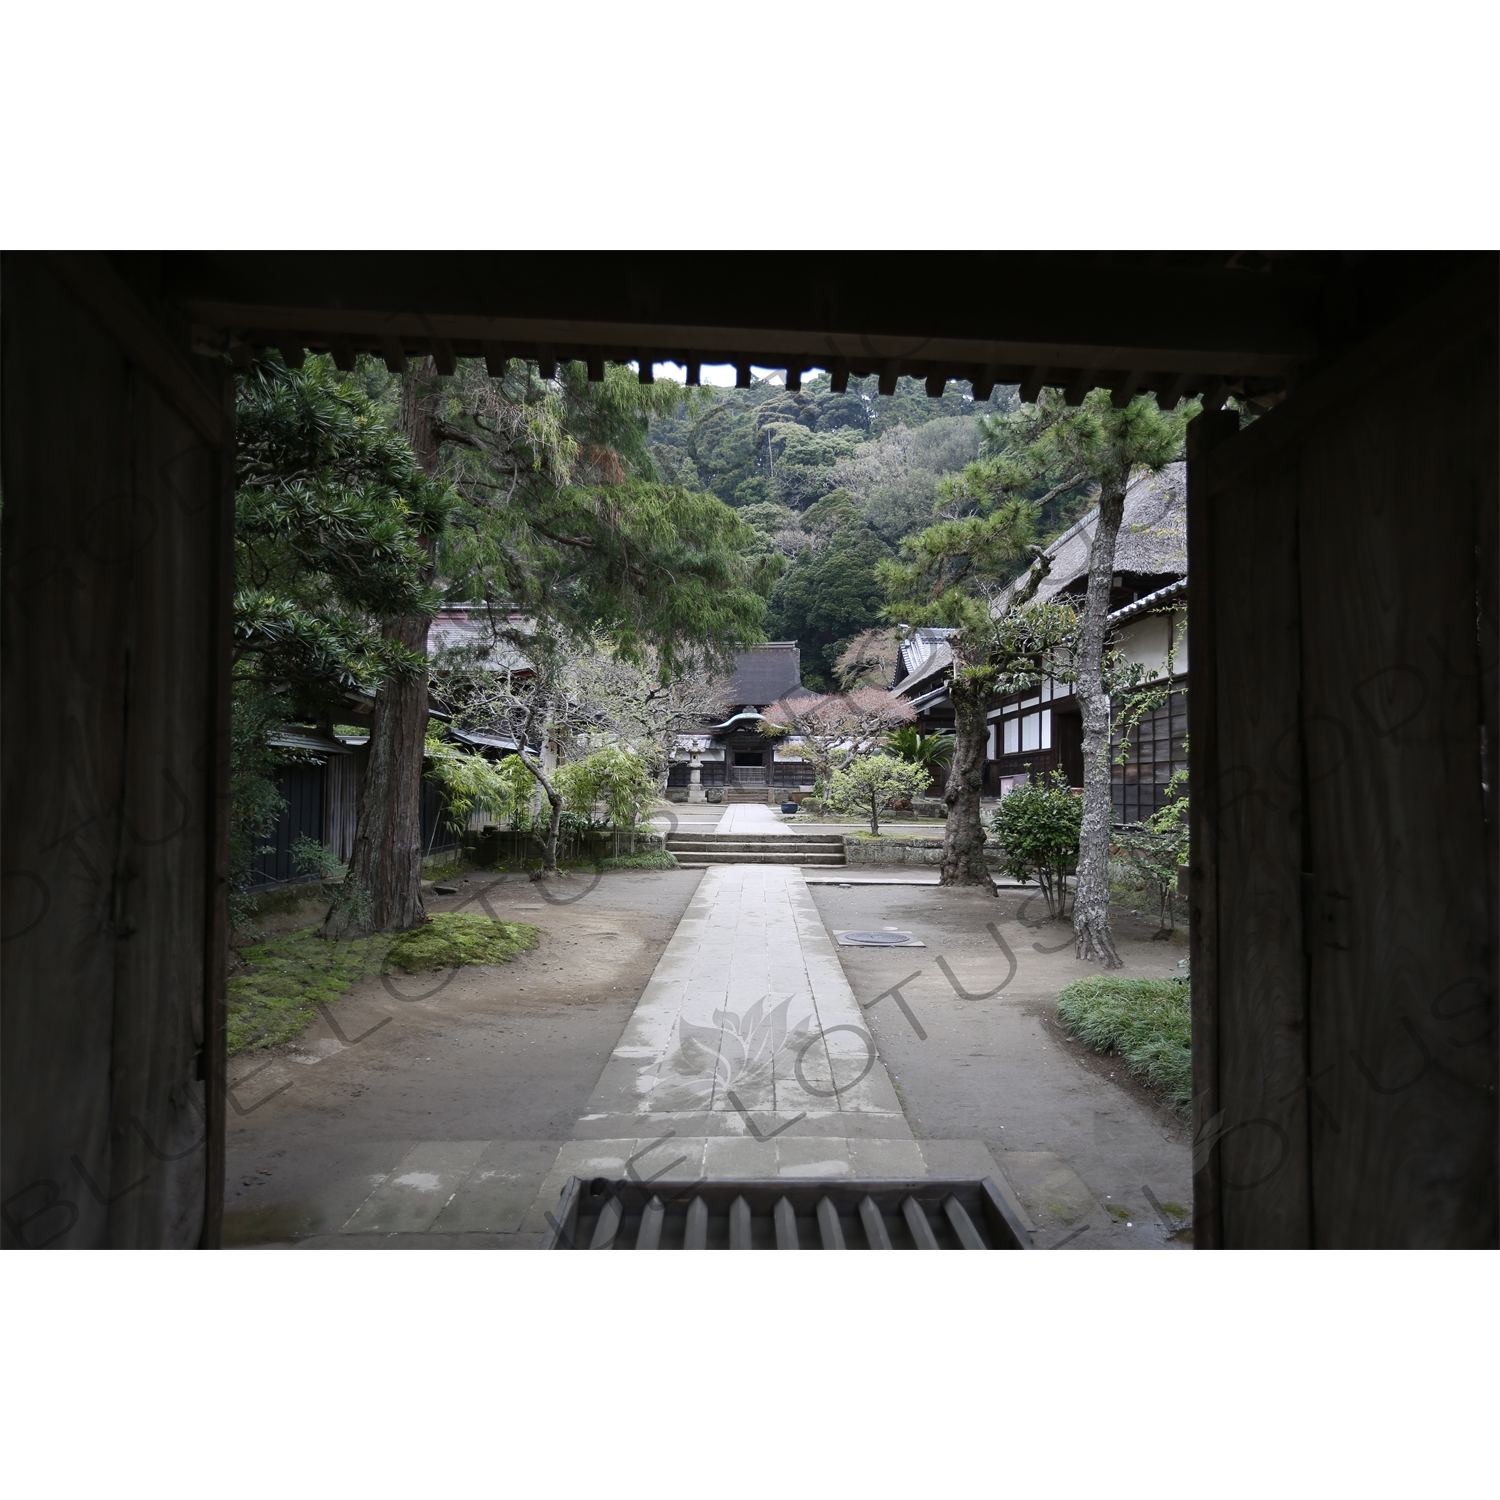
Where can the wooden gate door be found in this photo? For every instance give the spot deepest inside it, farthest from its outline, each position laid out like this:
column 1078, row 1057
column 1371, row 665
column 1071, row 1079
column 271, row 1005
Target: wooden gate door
column 117, row 534
column 1343, row 725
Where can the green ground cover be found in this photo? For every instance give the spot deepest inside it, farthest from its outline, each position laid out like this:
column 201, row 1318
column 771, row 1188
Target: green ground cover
column 655, row 859
column 286, row 977
column 1147, row 1022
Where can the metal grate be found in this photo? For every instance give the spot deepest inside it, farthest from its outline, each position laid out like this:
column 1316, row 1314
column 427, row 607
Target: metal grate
column 778, row 1213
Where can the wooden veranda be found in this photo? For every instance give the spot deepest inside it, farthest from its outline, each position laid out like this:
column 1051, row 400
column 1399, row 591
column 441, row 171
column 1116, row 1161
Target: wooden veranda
column 1343, row 713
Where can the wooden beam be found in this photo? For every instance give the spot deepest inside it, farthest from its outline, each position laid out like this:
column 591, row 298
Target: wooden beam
column 1031, row 386
column 343, row 353
column 838, row 376
column 936, row 385
column 546, row 361
column 292, row 350
column 495, row 359
column 442, row 357
column 1079, row 387
column 645, row 366
column 595, row 362
column 394, row 354
column 1017, row 311
column 1216, row 393
column 983, row 386
column 795, row 365
column 890, row 373
column 1124, row 389
column 1167, row 400
column 694, row 372
column 742, row 373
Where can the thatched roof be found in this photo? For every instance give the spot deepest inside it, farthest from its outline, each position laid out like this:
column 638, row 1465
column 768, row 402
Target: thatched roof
column 1152, row 541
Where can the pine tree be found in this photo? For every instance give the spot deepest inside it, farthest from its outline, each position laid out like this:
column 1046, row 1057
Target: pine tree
column 1053, row 447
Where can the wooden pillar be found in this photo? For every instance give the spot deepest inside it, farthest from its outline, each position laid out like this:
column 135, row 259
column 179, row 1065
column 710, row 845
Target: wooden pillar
column 118, row 452
column 1204, row 434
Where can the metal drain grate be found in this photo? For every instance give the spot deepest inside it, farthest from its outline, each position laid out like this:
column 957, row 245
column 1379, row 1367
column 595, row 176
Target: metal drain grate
column 879, row 940
column 779, row 1213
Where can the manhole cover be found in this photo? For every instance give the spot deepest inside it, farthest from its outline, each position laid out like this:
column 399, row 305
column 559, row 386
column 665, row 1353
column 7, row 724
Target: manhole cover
column 879, row 940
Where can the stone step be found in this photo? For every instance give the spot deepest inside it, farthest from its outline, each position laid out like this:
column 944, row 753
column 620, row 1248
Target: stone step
column 786, row 847
column 791, row 840
column 799, row 861
column 763, row 856
column 752, row 846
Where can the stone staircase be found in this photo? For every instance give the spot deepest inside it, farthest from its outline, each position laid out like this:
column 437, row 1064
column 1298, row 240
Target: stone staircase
column 696, row 851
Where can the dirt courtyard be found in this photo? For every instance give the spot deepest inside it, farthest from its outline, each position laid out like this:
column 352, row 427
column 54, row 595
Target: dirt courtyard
column 977, row 1054
column 502, row 1052
column 510, row 1054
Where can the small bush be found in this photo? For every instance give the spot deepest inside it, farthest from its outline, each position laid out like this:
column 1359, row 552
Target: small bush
column 1147, row 1022
column 656, row 859
column 312, row 857
column 1038, row 826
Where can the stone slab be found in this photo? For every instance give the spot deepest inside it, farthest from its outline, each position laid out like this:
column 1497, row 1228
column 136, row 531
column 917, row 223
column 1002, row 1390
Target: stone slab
column 751, row 817
column 748, row 1016
column 501, row 1185
column 418, row 1189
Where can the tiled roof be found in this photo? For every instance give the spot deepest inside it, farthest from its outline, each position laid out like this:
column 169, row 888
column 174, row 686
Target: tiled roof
column 929, row 674
column 919, row 644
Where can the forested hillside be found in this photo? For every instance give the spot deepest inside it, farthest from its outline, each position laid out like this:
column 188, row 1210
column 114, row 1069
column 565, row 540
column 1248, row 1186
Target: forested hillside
column 831, row 484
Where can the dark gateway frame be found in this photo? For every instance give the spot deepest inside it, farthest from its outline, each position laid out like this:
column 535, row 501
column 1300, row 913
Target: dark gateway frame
column 1342, row 593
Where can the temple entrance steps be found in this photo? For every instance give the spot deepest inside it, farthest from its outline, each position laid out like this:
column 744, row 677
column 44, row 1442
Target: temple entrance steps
column 696, row 851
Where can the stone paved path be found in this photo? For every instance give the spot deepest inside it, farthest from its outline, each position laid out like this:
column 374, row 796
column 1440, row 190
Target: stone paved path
column 748, row 1021
column 751, row 817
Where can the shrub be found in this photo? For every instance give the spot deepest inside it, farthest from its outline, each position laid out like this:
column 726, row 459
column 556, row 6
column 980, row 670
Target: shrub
column 1038, row 826
column 619, row 779
column 1156, row 847
column 503, row 790
column 311, row 857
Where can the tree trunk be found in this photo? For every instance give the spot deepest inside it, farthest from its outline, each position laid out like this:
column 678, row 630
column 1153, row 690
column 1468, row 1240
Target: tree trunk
column 1091, row 927
column 549, row 849
column 963, row 837
column 387, row 861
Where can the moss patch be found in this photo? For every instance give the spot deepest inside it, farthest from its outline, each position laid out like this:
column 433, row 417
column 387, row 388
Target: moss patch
column 286, row 978
column 1147, row 1022
column 455, row 938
